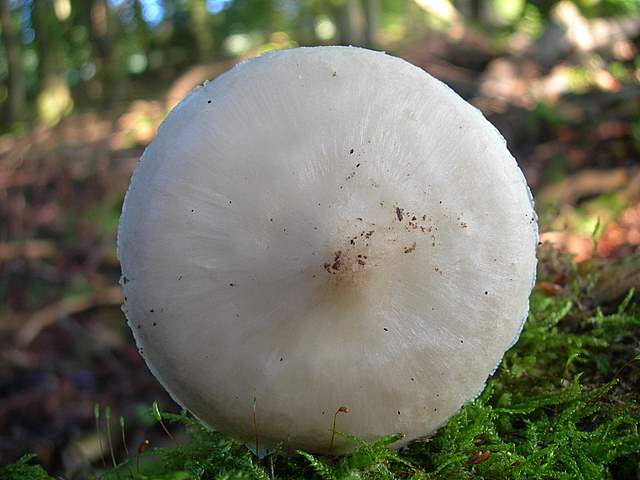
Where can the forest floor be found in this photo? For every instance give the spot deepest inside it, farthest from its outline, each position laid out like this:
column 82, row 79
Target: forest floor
column 563, row 404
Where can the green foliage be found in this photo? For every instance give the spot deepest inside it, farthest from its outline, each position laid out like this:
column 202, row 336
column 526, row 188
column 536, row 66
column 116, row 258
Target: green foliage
column 104, row 216
column 80, row 54
column 592, row 8
column 21, row 470
column 207, row 455
column 561, row 406
column 567, row 433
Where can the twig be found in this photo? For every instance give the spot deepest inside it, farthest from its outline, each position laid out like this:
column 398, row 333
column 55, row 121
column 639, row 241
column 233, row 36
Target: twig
column 18, row 179
column 586, row 182
column 29, row 249
column 65, row 308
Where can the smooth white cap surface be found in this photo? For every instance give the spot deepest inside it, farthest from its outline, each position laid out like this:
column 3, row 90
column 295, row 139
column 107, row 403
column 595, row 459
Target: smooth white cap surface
column 322, row 227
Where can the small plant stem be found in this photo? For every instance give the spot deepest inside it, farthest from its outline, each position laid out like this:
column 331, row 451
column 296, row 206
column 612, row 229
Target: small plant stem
column 271, row 468
column 333, row 432
column 124, row 438
column 287, row 449
column 169, row 434
column 124, row 444
column 107, row 416
column 619, row 371
column 158, row 416
column 96, row 414
column 342, row 409
column 141, row 448
column 255, row 427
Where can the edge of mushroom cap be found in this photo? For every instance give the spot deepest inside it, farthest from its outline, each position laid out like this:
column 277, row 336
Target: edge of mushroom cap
column 242, row 64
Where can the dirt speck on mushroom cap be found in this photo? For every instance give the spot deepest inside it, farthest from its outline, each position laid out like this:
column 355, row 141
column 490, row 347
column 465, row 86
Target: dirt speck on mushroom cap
column 309, row 218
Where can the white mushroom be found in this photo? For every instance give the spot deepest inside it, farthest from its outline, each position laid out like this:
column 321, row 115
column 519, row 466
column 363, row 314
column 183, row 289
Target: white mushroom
column 326, row 227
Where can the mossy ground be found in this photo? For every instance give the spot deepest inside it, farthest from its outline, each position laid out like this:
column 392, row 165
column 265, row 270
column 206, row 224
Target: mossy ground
column 562, row 405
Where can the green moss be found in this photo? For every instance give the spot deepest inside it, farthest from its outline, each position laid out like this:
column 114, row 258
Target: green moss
column 561, row 406
column 22, row 470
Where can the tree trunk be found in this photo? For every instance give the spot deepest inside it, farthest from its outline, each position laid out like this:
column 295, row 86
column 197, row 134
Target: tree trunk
column 351, row 23
column 49, row 42
column 16, row 91
column 99, row 39
column 476, row 10
column 108, row 38
column 372, row 14
column 142, row 29
column 201, row 30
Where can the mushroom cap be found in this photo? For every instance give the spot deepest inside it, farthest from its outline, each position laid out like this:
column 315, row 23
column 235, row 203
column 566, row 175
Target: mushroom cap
column 321, row 227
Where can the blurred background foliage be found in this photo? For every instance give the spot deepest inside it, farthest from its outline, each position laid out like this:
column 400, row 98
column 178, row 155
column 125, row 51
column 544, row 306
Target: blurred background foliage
column 61, row 55
column 85, row 83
